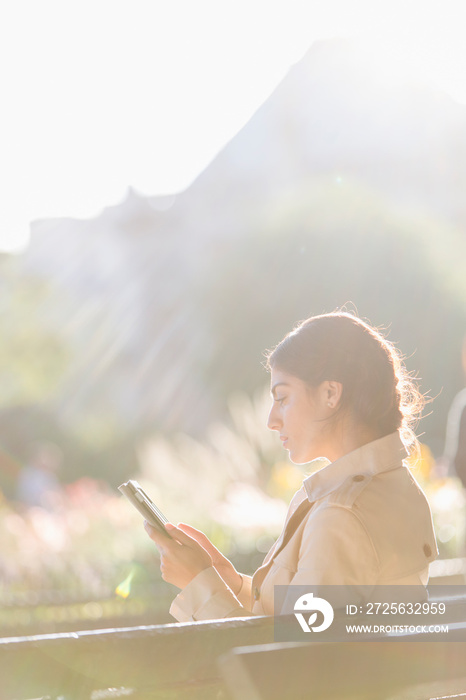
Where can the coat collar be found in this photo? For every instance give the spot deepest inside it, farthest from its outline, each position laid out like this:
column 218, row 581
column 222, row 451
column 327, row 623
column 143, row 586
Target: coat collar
column 375, row 457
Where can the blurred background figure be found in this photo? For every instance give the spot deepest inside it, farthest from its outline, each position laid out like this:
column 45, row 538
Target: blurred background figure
column 454, row 460
column 38, row 482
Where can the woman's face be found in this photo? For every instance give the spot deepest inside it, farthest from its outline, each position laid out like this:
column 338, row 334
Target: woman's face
column 300, row 415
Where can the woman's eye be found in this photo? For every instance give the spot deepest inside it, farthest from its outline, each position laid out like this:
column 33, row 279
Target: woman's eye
column 280, row 399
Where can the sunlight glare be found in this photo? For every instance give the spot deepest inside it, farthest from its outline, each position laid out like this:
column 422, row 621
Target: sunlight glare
column 415, row 42
column 145, row 94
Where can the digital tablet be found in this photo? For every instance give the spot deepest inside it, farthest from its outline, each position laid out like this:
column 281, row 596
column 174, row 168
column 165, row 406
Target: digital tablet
column 140, row 500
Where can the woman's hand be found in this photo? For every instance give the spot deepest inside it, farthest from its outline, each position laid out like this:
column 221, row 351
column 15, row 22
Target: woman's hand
column 181, row 558
column 223, row 565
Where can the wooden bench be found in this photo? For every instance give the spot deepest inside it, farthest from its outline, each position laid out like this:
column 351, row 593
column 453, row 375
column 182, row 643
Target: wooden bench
column 159, row 661
column 376, row 670
column 226, row 659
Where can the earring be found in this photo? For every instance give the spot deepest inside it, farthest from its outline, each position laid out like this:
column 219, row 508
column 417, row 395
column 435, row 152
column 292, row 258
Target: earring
column 330, row 405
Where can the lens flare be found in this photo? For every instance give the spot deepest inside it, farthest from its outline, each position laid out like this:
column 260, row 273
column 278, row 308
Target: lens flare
column 124, row 588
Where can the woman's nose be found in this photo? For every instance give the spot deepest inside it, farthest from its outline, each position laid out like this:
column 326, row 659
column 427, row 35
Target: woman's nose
column 272, row 420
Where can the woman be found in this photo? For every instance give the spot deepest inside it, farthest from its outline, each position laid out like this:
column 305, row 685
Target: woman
column 341, row 399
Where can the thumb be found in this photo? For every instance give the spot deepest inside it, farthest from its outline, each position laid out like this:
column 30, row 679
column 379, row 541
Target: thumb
column 179, row 535
column 199, row 537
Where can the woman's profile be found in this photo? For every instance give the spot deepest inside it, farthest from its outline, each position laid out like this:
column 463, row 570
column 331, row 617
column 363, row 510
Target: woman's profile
column 342, row 401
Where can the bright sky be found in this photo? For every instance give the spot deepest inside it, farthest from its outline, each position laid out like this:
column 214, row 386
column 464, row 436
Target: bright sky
column 99, row 95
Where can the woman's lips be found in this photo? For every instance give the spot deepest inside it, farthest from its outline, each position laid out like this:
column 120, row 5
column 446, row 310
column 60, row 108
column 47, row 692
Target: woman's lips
column 284, row 440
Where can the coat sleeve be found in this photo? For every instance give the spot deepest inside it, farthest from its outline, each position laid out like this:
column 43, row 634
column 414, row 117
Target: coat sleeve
column 207, row 597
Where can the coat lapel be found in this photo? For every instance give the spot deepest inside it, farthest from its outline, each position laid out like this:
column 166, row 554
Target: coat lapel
column 288, row 531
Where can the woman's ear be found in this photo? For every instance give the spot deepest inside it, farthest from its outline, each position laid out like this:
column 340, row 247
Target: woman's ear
column 332, row 393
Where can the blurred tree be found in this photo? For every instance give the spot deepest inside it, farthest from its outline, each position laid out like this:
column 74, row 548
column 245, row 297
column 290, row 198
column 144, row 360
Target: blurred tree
column 33, row 354
column 325, row 244
column 33, row 358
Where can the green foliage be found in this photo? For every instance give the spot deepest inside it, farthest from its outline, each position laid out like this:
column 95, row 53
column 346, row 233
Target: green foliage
column 33, row 354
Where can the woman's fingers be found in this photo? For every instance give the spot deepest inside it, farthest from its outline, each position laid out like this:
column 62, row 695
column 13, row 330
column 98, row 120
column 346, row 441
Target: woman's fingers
column 181, row 556
column 192, row 532
column 174, row 534
column 156, row 536
column 199, row 537
column 181, row 536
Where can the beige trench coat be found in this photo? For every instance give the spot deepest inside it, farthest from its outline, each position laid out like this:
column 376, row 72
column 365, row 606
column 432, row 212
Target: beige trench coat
column 368, row 523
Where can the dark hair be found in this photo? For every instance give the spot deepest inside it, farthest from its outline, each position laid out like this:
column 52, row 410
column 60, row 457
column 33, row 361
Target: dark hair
column 377, row 389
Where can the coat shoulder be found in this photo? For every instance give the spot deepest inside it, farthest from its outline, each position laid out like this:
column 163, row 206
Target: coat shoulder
column 350, row 490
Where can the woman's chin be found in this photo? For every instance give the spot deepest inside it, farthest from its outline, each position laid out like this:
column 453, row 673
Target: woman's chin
column 297, row 459
column 300, row 458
